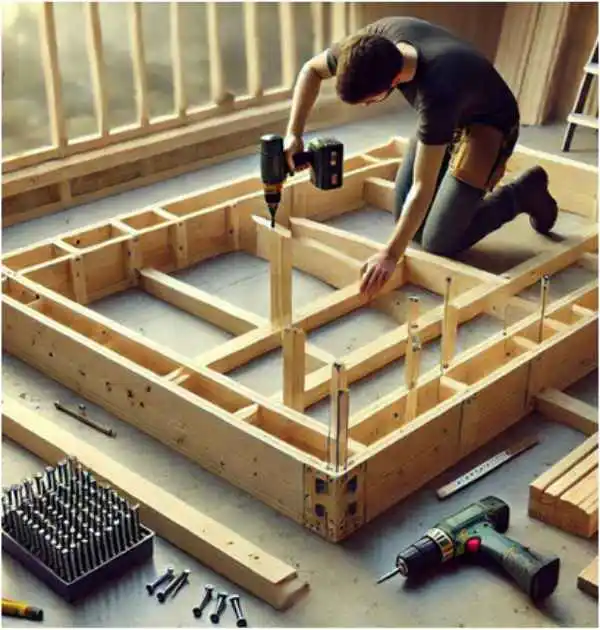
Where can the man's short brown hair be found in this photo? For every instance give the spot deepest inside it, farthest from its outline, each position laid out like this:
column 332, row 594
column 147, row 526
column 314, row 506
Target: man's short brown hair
column 367, row 64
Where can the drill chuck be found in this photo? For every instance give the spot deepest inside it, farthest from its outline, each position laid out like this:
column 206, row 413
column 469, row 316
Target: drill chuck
column 425, row 554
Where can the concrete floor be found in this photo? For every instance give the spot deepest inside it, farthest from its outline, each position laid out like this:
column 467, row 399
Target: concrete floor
column 343, row 591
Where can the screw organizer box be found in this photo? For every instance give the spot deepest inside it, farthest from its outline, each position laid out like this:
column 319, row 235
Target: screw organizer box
column 71, row 531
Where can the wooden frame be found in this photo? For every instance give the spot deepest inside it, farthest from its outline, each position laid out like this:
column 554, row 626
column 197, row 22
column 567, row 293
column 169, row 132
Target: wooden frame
column 331, row 478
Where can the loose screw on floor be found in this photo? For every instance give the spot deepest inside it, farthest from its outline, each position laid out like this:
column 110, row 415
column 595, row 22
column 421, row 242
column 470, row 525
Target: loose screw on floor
column 162, row 595
column 220, row 606
column 208, row 593
column 240, row 620
column 182, row 583
column 161, row 579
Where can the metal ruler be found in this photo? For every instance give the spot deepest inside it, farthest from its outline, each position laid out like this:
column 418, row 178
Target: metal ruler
column 486, row 467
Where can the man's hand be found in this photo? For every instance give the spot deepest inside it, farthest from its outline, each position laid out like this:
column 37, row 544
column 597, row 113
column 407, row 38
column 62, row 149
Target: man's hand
column 292, row 145
column 376, row 272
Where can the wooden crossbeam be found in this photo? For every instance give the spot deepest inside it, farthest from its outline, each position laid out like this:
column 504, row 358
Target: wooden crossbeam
column 561, row 407
column 214, row 545
column 199, row 303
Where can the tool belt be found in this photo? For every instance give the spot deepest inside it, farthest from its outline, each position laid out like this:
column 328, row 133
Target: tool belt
column 479, row 155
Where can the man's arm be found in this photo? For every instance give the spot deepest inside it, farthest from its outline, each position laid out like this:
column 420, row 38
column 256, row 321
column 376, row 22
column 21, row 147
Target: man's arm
column 306, row 92
column 428, row 161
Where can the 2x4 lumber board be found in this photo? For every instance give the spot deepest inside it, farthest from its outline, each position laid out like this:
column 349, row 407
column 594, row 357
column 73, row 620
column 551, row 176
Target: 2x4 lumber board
column 294, row 348
column 199, row 303
column 97, row 65
column 587, row 580
column 380, row 193
column 561, row 407
column 205, row 539
column 409, row 457
column 52, row 78
column 421, row 267
column 552, row 261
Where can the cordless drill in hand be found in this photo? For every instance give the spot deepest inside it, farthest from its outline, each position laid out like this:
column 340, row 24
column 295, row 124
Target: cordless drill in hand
column 476, row 531
column 325, row 156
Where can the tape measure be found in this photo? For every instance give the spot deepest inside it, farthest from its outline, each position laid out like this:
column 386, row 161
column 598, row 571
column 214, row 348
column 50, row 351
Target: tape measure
column 486, row 467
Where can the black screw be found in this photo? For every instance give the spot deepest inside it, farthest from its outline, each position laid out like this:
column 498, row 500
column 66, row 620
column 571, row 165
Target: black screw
column 162, row 595
column 220, row 606
column 208, row 593
column 161, row 579
column 240, row 620
column 182, row 583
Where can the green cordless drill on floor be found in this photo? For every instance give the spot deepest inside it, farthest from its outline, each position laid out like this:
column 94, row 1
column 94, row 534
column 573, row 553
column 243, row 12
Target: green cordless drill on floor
column 477, row 530
column 324, row 155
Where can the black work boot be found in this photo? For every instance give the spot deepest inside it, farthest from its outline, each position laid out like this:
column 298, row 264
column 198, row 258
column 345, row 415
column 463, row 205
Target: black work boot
column 533, row 197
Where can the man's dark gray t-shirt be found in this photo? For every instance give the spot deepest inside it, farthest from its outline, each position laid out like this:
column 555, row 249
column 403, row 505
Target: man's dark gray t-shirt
column 454, row 84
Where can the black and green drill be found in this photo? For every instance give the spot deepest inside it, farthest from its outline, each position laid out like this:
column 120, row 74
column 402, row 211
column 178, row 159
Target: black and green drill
column 477, row 530
column 325, row 156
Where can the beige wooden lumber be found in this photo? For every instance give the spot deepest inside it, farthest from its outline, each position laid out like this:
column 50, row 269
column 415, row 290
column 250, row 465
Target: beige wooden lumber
column 338, row 418
column 561, row 407
column 587, row 580
column 215, row 59
column 294, row 348
column 97, row 65
column 52, row 79
column 199, row 303
column 213, row 544
column 288, row 50
column 179, row 93
column 253, row 61
column 279, row 244
column 317, row 10
column 140, row 77
column 413, row 364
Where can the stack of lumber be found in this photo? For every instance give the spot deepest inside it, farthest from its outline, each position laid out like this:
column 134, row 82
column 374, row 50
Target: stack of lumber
column 566, row 495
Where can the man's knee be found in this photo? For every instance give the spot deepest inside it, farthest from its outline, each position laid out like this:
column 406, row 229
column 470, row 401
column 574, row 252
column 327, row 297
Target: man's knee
column 435, row 242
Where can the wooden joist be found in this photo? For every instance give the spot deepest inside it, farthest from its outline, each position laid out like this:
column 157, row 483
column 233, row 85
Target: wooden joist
column 566, row 496
column 561, row 407
column 213, row 544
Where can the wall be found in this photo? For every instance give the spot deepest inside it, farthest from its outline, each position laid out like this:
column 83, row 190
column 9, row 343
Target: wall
column 582, row 31
column 477, row 22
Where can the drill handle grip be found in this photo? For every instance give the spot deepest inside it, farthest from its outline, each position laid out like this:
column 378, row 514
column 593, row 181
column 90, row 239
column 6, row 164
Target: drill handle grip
column 300, row 159
column 536, row 574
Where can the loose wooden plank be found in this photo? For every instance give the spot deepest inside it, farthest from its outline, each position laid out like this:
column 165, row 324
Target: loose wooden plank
column 587, row 580
column 213, row 544
column 565, row 409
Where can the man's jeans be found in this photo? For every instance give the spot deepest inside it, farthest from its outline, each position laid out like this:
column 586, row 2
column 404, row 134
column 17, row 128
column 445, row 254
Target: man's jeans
column 459, row 215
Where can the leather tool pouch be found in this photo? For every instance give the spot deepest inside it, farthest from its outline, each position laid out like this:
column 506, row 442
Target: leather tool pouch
column 478, row 156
